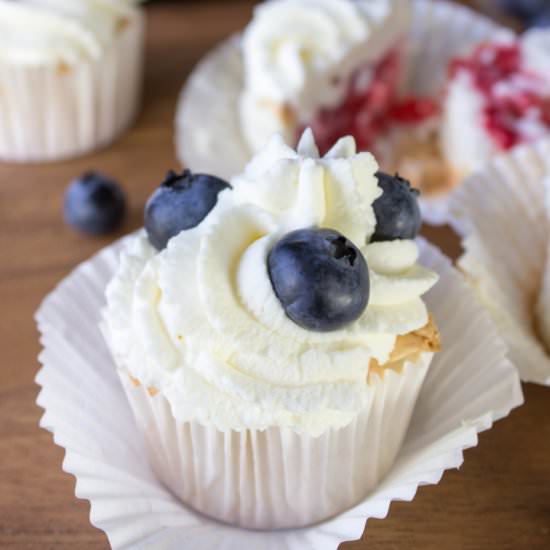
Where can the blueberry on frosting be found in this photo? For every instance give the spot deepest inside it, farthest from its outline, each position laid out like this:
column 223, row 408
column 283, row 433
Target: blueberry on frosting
column 396, row 210
column 181, row 202
column 320, row 277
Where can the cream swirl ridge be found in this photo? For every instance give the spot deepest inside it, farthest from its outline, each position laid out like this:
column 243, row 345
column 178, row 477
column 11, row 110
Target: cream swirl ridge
column 36, row 32
column 201, row 323
column 293, row 48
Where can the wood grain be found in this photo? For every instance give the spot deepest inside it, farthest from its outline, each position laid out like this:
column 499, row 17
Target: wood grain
column 500, row 499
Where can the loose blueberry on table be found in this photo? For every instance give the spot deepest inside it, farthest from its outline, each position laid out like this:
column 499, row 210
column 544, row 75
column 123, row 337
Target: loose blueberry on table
column 320, row 278
column 181, row 202
column 94, row 204
column 397, row 212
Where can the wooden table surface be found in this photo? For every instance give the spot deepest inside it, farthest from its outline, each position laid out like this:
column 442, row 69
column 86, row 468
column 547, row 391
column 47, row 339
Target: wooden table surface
column 500, row 499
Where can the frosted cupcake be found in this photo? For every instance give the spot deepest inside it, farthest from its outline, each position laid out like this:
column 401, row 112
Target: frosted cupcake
column 332, row 65
column 70, row 75
column 498, row 97
column 271, row 334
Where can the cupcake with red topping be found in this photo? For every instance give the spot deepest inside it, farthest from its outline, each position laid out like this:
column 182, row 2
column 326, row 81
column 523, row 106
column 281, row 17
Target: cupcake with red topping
column 498, row 97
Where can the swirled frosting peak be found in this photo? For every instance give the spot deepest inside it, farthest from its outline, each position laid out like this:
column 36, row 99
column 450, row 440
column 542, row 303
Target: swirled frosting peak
column 201, row 323
column 38, row 32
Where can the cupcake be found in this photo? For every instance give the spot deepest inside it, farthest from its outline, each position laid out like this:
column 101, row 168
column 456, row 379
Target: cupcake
column 271, row 334
column 498, row 97
column 70, row 76
column 332, row 65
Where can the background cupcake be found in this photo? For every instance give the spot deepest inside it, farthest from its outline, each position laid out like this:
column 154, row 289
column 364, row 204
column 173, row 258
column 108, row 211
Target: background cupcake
column 70, row 76
column 495, row 96
column 498, row 97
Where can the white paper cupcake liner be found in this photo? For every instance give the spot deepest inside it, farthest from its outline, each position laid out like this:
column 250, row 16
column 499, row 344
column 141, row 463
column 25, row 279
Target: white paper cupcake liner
column 469, row 385
column 208, row 132
column 276, row 479
column 53, row 113
column 542, row 306
column 500, row 214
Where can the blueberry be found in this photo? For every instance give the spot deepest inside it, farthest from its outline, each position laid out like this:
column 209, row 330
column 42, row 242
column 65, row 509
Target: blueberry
column 542, row 19
column 524, row 9
column 320, row 278
column 396, row 210
column 94, row 204
column 181, row 202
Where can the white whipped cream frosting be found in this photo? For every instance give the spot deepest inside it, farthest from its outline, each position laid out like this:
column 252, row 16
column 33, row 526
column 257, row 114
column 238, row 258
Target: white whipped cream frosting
column 200, row 322
column 300, row 54
column 44, row 32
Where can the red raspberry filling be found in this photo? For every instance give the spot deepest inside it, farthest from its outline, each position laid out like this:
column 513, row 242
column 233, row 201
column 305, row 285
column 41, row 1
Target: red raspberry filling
column 370, row 107
column 511, row 93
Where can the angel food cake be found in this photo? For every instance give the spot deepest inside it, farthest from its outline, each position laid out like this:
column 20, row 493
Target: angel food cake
column 332, row 65
column 271, row 334
column 70, row 75
column 498, row 97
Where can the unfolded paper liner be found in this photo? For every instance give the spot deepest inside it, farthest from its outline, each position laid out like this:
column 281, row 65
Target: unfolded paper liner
column 470, row 384
column 276, row 478
column 542, row 307
column 56, row 112
column 208, row 133
column 500, row 214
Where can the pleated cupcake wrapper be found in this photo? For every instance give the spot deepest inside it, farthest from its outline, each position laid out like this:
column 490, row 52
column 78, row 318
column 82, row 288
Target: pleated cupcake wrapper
column 469, row 385
column 208, row 131
column 55, row 112
column 501, row 214
column 542, row 307
column 275, row 479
